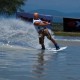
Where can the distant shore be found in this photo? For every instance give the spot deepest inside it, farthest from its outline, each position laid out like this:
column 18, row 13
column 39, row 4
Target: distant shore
column 61, row 33
column 58, row 30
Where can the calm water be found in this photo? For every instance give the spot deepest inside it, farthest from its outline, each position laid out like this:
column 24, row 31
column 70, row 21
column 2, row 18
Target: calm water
column 40, row 65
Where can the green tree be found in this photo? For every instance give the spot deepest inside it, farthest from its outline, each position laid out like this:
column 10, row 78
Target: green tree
column 10, row 6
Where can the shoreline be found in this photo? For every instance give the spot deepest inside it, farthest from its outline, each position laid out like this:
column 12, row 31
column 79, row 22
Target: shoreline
column 61, row 33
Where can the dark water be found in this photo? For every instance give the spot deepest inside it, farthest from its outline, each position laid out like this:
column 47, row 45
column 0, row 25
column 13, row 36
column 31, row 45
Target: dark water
column 40, row 65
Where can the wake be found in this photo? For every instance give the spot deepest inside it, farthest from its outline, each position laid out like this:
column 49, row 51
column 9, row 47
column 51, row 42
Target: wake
column 18, row 32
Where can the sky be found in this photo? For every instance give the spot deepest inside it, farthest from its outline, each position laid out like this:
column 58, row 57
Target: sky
column 67, row 6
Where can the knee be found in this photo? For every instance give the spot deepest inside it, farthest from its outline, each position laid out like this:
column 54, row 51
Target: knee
column 49, row 37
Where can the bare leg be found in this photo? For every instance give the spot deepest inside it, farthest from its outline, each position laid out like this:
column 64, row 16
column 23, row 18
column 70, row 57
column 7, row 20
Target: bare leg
column 41, row 40
column 43, row 46
column 50, row 38
column 54, row 42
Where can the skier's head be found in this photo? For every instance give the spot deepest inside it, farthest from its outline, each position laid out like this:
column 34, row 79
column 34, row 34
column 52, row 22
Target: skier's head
column 36, row 15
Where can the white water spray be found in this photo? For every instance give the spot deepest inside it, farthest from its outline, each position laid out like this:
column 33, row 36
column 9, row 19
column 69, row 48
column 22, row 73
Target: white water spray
column 17, row 32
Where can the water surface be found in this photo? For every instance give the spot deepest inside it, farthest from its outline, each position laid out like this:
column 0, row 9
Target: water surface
column 18, row 63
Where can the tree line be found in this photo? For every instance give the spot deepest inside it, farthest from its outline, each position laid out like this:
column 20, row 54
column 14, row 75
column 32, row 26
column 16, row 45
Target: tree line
column 11, row 6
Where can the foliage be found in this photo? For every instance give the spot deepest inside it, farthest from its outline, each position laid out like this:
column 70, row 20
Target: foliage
column 10, row 6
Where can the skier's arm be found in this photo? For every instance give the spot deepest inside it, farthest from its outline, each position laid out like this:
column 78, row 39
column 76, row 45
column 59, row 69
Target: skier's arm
column 41, row 23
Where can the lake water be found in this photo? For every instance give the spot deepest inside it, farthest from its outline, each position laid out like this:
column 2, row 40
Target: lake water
column 17, row 62
column 20, row 64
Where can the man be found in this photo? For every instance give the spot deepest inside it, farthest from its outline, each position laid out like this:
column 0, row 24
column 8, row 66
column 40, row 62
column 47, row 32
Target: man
column 43, row 31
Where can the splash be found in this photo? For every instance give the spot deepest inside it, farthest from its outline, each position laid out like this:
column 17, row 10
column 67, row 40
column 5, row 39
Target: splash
column 18, row 32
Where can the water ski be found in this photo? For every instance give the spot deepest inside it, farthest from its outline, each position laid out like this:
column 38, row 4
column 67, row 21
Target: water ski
column 54, row 49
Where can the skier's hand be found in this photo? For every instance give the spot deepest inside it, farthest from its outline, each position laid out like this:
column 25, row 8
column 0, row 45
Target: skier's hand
column 47, row 22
